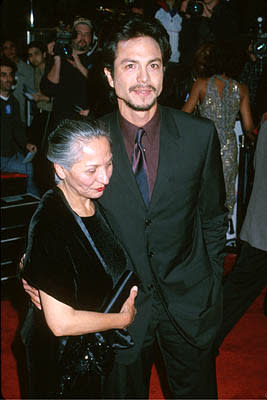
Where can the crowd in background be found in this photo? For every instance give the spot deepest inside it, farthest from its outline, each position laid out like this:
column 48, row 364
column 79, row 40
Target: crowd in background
column 213, row 73
column 59, row 74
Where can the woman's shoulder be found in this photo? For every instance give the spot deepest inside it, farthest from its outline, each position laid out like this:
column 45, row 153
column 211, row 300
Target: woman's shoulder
column 50, row 212
column 202, row 81
column 243, row 89
column 201, row 84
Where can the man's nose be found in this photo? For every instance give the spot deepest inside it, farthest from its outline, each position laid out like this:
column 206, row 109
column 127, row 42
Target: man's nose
column 142, row 75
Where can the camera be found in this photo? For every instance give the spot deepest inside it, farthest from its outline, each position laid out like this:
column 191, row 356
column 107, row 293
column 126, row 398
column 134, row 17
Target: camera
column 63, row 44
column 259, row 44
column 195, row 8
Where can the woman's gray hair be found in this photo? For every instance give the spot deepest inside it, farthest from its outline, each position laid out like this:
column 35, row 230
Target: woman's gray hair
column 66, row 142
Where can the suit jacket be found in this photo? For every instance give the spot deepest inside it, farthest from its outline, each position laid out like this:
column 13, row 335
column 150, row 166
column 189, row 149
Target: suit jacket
column 254, row 226
column 177, row 243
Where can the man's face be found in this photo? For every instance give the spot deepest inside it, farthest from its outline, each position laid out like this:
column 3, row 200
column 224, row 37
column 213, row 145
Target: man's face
column 36, row 57
column 9, row 50
column 138, row 74
column 6, row 80
column 84, row 37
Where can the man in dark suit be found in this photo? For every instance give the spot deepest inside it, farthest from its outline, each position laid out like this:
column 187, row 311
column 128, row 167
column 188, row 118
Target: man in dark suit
column 172, row 225
column 176, row 241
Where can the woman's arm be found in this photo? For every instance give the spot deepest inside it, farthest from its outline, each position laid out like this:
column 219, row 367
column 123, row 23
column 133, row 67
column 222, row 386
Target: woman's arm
column 193, row 98
column 245, row 110
column 63, row 320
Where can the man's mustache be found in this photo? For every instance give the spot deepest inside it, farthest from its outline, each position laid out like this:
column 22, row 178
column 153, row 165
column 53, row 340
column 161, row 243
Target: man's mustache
column 132, row 88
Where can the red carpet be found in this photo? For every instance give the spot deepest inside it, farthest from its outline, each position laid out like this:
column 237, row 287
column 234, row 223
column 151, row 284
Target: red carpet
column 241, row 365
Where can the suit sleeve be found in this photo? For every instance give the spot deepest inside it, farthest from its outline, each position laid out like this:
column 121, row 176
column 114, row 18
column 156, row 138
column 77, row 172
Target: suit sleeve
column 211, row 204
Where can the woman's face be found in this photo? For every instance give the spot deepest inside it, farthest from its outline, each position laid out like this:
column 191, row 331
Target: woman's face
column 91, row 174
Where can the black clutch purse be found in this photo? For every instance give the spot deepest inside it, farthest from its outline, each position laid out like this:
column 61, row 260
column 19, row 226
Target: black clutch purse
column 94, row 353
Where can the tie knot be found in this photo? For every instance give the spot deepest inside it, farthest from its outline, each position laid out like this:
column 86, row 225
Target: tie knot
column 139, row 134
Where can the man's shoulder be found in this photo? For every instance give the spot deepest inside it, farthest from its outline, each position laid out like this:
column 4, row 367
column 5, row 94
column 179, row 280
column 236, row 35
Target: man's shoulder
column 11, row 100
column 23, row 67
column 184, row 118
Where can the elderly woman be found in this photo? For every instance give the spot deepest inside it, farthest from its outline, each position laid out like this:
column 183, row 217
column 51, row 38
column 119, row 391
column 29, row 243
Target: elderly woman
column 74, row 260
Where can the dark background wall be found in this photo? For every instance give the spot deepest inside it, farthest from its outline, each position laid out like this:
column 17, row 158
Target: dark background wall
column 14, row 14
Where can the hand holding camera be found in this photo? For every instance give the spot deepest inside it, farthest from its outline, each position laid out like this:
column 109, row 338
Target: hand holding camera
column 196, row 8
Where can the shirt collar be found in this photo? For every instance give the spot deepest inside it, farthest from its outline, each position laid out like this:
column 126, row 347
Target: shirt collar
column 4, row 98
column 129, row 130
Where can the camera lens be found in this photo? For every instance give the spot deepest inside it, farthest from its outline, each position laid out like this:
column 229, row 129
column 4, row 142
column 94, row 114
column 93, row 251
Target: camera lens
column 195, row 8
column 260, row 48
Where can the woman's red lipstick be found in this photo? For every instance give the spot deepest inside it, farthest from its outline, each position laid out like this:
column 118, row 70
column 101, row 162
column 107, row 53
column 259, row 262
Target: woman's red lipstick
column 101, row 189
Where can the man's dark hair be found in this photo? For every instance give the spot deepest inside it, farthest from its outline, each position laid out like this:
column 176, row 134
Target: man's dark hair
column 132, row 27
column 38, row 45
column 6, row 62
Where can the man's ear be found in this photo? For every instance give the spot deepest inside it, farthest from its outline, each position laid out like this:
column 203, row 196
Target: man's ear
column 109, row 77
column 60, row 171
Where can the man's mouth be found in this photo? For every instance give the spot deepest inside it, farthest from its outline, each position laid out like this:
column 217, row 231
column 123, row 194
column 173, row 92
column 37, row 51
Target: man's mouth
column 143, row 90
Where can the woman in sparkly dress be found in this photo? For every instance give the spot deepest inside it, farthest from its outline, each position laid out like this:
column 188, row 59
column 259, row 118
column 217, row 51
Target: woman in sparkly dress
column 221, row 98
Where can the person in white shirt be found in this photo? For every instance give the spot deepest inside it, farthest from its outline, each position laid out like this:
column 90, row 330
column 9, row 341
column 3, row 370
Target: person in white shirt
column 172, row 22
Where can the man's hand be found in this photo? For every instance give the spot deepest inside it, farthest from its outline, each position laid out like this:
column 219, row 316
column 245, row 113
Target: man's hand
column 207, row 11
column 31, row 147
column 39, row 96
column 76, row 63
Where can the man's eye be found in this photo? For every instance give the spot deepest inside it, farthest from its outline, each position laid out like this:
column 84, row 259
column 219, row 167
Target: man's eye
column 129, row 66
column 154, row 66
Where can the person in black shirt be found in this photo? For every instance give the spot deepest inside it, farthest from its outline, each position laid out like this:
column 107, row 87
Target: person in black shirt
column 219, row 21
column 67, row 80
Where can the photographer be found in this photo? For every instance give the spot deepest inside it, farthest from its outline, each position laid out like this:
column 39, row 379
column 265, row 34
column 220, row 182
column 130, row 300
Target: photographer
column 204, row 21
column 67, row 80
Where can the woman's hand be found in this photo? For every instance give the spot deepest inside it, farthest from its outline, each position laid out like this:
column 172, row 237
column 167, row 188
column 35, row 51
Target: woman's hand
column 33, row 293
column 128, row 308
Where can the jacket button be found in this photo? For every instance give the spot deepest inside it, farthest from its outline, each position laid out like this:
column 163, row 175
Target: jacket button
column 148, row 222
column 150, row 254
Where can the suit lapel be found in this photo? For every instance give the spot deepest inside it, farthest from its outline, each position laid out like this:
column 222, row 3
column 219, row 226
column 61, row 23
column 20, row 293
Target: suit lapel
column 122, row 168
column 171, row 153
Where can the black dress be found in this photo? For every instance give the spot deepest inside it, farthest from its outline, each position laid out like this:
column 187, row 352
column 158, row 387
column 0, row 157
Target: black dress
column 60, row 261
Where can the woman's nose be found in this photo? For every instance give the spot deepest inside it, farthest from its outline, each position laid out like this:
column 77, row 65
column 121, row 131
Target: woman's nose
column 104, row 177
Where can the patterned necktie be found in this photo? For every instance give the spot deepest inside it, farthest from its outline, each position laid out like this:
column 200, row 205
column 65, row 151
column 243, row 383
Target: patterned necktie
column 139, row 166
